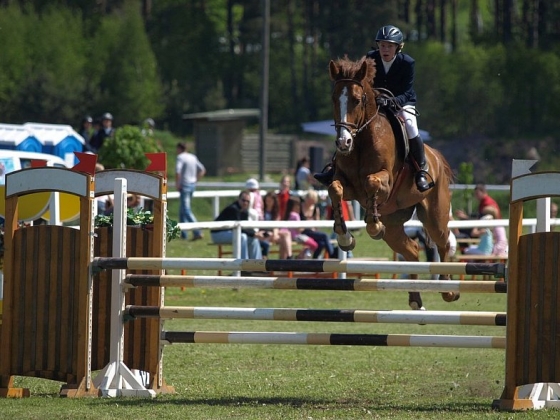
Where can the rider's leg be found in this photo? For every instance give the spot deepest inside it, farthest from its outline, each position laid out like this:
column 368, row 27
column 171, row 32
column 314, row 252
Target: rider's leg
column 417, row 152
column 416, row 148
column 325, row 177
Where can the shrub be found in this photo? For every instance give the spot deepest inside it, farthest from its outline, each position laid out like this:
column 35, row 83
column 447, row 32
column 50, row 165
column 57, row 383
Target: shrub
column 127, row 148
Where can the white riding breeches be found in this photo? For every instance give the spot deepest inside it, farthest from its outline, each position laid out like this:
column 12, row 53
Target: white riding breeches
column 408, row 114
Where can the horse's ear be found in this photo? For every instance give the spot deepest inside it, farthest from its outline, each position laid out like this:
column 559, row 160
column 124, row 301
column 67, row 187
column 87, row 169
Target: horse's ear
column 333, row 70
column 362, row 73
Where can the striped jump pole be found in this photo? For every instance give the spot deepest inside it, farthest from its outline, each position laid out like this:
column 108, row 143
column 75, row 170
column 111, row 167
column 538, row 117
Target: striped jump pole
column 288, row 283
column 326, row 266
column 319, row 315
column 383, row 340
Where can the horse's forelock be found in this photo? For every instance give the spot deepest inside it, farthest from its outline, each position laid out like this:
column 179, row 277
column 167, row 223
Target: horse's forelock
column 348, row 68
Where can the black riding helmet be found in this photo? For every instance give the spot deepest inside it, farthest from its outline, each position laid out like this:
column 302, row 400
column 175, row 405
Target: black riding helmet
column 390, row 33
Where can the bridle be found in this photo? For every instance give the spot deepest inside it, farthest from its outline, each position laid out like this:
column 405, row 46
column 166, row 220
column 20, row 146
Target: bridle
column 352, row 128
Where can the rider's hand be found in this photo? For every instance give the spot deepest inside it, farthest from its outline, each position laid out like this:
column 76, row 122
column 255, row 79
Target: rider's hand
column 382, row 101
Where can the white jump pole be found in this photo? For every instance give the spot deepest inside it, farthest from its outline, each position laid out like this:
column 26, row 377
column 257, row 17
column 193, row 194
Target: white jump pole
column 116, row 379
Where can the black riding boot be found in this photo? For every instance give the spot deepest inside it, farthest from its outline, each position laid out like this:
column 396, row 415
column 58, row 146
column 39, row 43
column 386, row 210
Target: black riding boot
column 326, row 176
column 417, row 153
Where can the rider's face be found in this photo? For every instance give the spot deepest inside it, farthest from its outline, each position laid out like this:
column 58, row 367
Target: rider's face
column 387, row 50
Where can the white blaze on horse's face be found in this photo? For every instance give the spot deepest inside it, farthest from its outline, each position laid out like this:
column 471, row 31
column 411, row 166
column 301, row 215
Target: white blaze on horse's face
column 344, row 141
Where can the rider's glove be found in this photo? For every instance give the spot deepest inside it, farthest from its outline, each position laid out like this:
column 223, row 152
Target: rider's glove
column 382, row 100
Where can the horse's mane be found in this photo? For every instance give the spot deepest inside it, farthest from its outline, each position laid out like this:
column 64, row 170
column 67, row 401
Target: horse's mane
column 349, row 68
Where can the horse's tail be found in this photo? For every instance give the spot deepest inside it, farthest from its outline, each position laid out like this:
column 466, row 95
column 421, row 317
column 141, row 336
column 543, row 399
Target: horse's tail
column 447, row 172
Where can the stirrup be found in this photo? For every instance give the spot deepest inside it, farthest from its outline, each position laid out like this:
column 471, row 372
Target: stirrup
column 421, row 180
column 325, row 177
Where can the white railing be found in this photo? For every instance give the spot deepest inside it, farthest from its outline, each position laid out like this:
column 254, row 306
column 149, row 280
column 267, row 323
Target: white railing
column 232, row 189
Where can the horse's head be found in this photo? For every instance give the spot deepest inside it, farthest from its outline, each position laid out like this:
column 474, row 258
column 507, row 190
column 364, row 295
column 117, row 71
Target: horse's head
column 352, row 97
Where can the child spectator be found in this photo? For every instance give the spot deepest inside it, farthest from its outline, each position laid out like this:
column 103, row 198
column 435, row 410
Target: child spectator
column 486, row 244
column 282, row 237
column 293, row 210
column 310, row 211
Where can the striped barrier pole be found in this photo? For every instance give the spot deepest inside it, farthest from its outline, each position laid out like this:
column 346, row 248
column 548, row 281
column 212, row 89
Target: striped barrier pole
column 388, row 340
column 319, row 315
column 289, row 283
column 328, row 266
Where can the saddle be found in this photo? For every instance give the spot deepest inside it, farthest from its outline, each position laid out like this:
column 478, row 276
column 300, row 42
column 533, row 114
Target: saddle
column 398, row 126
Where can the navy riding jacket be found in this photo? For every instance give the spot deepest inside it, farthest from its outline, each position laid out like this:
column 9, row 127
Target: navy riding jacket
column 400, row 78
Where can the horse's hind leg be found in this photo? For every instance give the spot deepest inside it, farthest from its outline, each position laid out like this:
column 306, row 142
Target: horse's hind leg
column 345, row 239
column 435, row 219
column 402, row 244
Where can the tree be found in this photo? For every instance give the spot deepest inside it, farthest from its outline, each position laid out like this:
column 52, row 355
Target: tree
column 129, row 80
column 44, row 64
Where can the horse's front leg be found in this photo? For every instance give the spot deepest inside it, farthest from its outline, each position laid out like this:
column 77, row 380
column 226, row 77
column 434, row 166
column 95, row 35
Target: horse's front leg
column 345, row 240
column 377, row 191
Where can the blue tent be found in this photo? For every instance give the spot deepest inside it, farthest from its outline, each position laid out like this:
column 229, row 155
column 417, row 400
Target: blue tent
column 57, row 139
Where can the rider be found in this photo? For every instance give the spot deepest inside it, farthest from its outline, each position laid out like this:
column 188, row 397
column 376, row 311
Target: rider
column 395, row 72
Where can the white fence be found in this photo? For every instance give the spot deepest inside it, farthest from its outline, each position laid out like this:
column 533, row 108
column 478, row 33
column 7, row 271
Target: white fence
column 232, row 189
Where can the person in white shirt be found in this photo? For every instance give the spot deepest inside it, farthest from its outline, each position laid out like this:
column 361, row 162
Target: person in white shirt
column 188, row 172
column 304, row 179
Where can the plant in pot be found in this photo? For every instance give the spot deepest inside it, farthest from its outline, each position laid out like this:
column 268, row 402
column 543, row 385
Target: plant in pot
column 141, row 218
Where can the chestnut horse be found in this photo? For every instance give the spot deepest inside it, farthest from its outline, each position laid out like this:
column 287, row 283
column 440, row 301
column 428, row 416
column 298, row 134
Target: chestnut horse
column 371, row 167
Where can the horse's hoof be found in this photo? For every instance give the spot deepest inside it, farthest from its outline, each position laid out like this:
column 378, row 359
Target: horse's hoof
column 377, row 231
column 415, row 307
column 415, row 301
column 450, row 296
column 348, row 247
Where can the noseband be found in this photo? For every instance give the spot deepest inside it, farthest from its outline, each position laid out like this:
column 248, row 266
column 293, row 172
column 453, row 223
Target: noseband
column 352, row 128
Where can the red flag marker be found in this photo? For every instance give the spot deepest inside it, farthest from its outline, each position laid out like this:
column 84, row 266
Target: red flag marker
column 86, row 163
column 158, row 162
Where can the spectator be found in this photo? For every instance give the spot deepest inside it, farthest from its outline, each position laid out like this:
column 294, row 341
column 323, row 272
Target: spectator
column 303, row 178
column 148, row 127
column 252, row 185
column 106, row 130
column 499, row 235
column 238, row 210
column 188, row 171
column 86, row 131
column 256, row 199
column 284, row 194
column 486, row 243
column 310, row 211
column 293, row 210
column 484, row 200
column 281, row 237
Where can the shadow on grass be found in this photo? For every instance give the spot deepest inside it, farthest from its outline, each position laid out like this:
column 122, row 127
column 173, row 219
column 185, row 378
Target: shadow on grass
column 310, row 403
